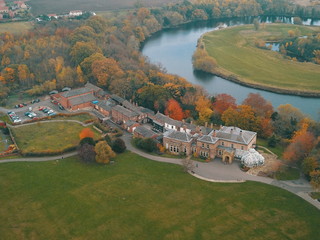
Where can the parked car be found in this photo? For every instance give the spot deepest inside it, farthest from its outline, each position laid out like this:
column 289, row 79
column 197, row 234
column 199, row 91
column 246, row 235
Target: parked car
column 18, row 120
column 53, row 92
column 65, row 89
column 52, row 114
column 61, row 107
column 45, row 110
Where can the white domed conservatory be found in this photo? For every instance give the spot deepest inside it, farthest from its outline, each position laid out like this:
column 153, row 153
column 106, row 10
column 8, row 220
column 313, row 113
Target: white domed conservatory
column 252, row 158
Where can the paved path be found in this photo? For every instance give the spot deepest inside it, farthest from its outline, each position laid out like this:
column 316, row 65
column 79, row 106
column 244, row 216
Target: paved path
column 40, row 159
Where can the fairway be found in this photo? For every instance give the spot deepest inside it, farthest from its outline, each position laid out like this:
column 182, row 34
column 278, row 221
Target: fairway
column 234, row 50
column 64, row 6
column 16, row 27
column 136, row 198
column 48, row 137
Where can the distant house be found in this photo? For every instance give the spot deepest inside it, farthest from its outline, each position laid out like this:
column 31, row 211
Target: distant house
column 21, row 4
column 143, row 132
column 75, row 13
column 4, row 9
column 53, row 15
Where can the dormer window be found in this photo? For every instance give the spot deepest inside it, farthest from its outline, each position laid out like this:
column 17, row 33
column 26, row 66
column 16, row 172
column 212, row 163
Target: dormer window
column 222, row 143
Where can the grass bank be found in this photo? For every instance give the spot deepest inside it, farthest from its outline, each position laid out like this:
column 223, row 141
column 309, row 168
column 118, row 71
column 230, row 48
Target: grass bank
column 240, row 60
column 48, row 137
column 15, row 27
column 140, row 199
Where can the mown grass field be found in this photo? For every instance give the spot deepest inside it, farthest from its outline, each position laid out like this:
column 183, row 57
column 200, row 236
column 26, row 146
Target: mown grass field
column 278, row 149
column 81, row 117
column 234, row 50
column 15, row 27
column 63, row 6
column 48, row 137
column 136, row 198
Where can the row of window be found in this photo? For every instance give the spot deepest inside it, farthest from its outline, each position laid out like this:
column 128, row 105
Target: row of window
column 176, row 149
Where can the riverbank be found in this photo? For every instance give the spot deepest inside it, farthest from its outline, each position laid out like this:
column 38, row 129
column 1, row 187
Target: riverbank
column 239, row 61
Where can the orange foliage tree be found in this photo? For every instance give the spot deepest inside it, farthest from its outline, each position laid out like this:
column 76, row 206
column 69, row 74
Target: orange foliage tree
column 86, row 133
column 174, row 110
column 223, row 102
column 300, row 146
column 262, row 107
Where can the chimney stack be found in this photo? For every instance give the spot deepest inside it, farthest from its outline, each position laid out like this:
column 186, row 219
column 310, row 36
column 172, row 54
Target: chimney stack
column 214, row 134
column 240, row 132
column 206, row 124
column 211, row 126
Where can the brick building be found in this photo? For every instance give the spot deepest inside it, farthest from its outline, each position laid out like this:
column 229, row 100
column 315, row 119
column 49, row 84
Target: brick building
column 227, row 143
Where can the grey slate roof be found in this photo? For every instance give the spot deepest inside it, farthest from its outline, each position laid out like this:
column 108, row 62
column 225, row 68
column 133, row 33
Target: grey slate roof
column 124, row 111
column 92, row 87
column 117, row 98
column 145, row 132
column 146, row 110
column 235, row 134
column 208, row 139
column 75, row 92
column 82, row 99
column 130, row 106
column 159, row 117
column 129, row 123
column 106, row 105
column 181, row 136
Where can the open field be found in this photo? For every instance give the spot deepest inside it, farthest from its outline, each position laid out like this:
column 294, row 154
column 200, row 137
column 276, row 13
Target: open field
column 63, row 6
column 81, row 117
column 234, row 50
column 15, row 27
column 48, row 137
column 140, row 199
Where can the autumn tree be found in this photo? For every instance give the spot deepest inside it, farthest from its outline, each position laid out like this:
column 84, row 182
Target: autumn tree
column 222, row 102
column 174, row 110
column 300, row 147
column 87, row 153
column 103, row 152
column 309, row 164
column 315, row 179
column 261, row 107
column 286, row 119
column 118, row 145
column 243, row 117
column 82, row 50
column 203, row 106
column 86, row 133
column 106, row 70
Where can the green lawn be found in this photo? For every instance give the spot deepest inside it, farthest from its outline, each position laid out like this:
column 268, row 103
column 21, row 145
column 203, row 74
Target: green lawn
column 15, row 27
column 234, row 50
column 81, row 117
column 48, row 137
column 140, row 199
column 287, row 173
column 278, row 150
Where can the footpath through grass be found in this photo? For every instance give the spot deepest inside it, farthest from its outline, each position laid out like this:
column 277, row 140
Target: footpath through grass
column 139, row 199
column 236, row 54
column 48, row 137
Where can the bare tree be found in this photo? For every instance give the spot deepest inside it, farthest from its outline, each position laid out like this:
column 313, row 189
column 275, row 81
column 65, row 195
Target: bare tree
column 187, row 164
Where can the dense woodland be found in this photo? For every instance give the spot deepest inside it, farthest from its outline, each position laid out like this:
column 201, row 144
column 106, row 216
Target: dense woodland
column 106, row 52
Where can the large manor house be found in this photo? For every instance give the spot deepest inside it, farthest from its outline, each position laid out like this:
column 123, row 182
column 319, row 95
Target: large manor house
column 178, row 137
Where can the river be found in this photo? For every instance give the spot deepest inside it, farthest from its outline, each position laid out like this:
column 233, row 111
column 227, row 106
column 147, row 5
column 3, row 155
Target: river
column 173, row 49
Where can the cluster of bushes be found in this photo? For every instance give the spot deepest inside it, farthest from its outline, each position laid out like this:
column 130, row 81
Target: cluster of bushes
column 91, row 151
column 146, row 144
